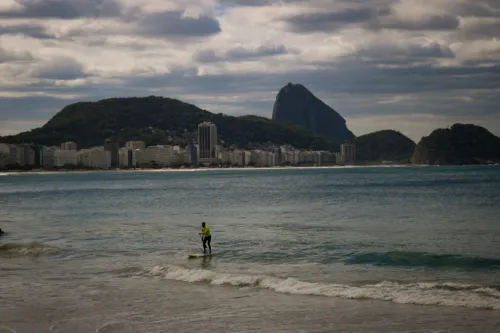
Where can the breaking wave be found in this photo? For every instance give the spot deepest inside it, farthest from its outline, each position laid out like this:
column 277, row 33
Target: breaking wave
column 422, row 259
column 444, row 294
column 34, row 249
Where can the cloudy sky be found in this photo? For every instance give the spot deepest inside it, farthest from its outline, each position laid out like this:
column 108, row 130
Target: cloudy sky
column 410, row 65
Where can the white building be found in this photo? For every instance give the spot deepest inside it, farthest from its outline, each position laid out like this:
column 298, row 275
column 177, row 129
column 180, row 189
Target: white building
column 48, row 160
column 126, row 158
column 96, row 157
column 339, row 159
column 207, row 141
column 290, row 156
column 65, row 157
column 163, row 155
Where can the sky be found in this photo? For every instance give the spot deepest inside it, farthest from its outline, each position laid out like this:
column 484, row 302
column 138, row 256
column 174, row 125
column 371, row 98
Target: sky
column 407, row 65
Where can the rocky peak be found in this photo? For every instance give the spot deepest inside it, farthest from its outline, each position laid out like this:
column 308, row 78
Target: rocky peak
column 295, row 103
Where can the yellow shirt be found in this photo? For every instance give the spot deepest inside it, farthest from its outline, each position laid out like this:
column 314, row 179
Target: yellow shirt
column 205, row 231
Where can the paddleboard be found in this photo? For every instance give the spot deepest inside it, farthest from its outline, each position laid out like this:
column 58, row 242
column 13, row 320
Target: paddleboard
column 201, row 254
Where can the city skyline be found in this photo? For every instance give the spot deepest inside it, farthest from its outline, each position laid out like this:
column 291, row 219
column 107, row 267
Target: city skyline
column 136, row 154
column 407, row 65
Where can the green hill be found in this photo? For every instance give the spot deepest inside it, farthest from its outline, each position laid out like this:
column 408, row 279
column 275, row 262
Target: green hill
column 123, row 119
column 385, row 145
column 460, row 144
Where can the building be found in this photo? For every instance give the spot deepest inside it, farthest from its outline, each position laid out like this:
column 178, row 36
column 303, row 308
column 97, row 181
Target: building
column 65, row 157
column 192, row 154
column 96, row 157
column 112, row 147
column 207, row 143
column 339, row 159
column 4, row 154
column 21, row 154
column 163, row 155
column 135, row 145
column 69, row 145
column 348, row 152
column 126, row 157
column 48, row 156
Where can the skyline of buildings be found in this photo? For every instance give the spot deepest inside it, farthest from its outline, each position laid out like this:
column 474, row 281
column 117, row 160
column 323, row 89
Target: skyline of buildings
column 135, row 154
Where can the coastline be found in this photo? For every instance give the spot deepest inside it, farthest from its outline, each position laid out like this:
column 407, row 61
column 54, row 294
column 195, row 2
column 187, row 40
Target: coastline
column 41, row 171
column 138, row 170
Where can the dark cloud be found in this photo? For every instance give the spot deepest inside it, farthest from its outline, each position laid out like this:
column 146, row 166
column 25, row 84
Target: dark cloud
column 64, row 9
column 60, row 68
column 434, row 23
column 31, row 30
column 368, row 18
column 331, row 21
column 173, row 23
column 390, row 53
column 483, row 29
column 240, row 53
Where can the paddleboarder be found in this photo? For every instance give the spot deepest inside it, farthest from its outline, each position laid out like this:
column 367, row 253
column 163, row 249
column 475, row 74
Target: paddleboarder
column 206, row 237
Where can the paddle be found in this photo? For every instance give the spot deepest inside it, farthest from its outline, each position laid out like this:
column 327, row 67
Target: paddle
column 201, row 237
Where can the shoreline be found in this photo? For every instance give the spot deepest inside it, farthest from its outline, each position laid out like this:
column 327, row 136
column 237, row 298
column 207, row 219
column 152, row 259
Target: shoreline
column 40, row 171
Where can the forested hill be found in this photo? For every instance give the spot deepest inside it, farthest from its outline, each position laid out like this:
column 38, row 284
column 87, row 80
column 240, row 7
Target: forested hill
column 122, row 119
column 460, row 144
column 385, row 145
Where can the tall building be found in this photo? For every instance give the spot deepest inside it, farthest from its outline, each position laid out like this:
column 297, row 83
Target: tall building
column 348, row 153
column 37, row 150
column 192, row 152
column 207, row 143
column 112, row 147
column 4, row 154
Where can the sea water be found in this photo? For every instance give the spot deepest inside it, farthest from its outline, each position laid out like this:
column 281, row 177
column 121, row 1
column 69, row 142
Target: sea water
column 360, row 249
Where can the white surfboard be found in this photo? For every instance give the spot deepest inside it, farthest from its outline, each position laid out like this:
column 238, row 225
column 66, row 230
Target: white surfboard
column 202, row 254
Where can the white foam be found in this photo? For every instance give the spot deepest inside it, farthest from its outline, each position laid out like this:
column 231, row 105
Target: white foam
column 445, row 294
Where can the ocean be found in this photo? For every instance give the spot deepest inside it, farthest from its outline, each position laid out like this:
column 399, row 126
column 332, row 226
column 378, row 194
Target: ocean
column 346, row 249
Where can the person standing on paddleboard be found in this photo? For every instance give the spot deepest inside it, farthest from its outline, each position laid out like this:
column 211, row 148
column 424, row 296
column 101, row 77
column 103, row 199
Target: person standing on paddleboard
column 206, row 237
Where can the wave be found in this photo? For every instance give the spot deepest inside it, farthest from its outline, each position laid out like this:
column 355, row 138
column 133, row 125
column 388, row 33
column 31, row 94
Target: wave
column 415, row 259
column 33, row 249
column 444, row 294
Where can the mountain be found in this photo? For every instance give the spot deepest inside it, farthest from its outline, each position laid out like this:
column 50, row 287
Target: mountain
column 385, row 145
column 123, row 119
column 298, row 105
column 460, row 144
